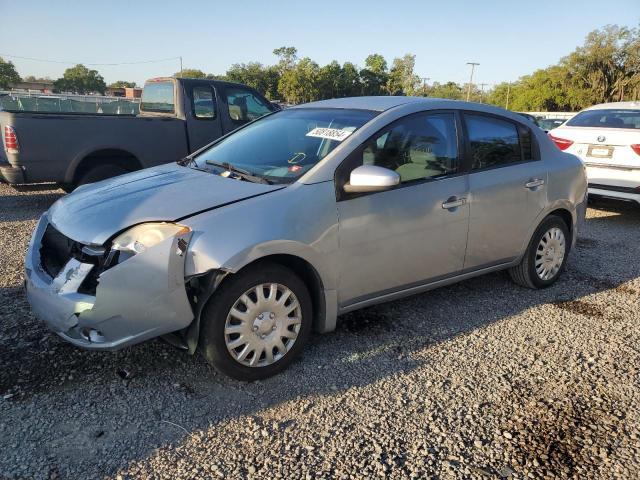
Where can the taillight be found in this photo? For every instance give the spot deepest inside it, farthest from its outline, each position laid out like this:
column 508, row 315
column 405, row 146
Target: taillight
column 561, row 143
column 10, row 140
column 636, row 148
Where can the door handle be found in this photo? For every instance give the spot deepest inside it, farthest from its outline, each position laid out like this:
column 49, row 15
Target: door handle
column 536, row 182
column 454, row 202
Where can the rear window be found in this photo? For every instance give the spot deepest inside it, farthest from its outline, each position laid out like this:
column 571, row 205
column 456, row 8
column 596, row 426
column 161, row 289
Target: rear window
column 607, row 119
column 158, row 97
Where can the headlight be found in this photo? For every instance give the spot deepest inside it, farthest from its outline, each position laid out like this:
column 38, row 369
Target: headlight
column 141, row 237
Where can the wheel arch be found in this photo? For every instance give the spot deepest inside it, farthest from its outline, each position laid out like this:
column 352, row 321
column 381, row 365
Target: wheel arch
column 562, row 209
column 311, row 278
column 81, row 164
column 565, row 215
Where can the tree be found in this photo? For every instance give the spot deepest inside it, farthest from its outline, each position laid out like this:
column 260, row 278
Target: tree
column 351, row 85
column 288, row 56
column 301, row 83
column 605, row 69
column 402, row 80
column 374, row 76
column 190, row 73
column 449, row 90
column 122, row 84
column 32, row 78
column 330, row 81
column 600, row 70
column 264, row 79
column 8, row 74
column 80, row 79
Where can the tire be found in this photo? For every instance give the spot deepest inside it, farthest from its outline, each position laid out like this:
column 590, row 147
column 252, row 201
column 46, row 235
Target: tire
column 220, row 328
column 525, row 273
column 101, row 172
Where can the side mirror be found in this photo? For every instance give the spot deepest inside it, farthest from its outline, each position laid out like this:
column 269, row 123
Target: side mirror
column 370, row 178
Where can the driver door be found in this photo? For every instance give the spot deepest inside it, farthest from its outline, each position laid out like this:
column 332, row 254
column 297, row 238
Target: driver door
column 415, row 232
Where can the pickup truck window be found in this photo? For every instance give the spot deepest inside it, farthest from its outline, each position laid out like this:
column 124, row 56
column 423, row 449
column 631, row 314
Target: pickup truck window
column 244, row 106
column 204, row 105
column 158, row 97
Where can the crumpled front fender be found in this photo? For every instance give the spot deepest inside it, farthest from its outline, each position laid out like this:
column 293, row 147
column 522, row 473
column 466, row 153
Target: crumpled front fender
column 143, row 297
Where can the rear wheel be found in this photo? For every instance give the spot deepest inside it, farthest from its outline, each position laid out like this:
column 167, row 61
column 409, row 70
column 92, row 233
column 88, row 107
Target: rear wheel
column 257, row 322
column 101, row 172
column 546, row 255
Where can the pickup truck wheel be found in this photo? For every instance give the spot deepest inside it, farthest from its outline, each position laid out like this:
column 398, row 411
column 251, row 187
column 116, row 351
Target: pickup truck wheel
column 257, row 323
column 101, row 172
column 546, row 255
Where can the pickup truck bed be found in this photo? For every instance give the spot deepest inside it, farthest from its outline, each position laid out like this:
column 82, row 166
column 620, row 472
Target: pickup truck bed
column 178, row 116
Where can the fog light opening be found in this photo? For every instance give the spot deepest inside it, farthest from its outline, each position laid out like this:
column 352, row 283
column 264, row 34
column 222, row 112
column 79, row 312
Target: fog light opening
column 92, row 335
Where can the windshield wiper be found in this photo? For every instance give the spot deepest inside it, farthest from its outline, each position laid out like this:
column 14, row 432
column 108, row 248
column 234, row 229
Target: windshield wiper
column 242, row 173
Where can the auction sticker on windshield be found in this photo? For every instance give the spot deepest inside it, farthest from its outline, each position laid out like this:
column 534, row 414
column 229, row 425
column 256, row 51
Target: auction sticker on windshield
column 329, row 133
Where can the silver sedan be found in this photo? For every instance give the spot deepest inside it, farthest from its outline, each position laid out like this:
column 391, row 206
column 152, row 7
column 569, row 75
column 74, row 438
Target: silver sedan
column 243, row 248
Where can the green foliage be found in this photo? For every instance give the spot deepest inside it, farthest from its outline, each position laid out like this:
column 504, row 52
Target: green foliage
column 32, row 78
column 605, row 69
column 402, row 80
column 190, row 73
column 8, row 74
column 264, row 79
column 288, row 57
column 374, row 76
column 80, row 79
column 450, row 90
column 123, row 84
column 301, row 83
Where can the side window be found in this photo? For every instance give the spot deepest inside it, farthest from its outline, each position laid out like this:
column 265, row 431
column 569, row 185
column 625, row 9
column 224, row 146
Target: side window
column 418, row 147
column 493, row 142
column 526, row 142
column 204, row 104
column 244, row 106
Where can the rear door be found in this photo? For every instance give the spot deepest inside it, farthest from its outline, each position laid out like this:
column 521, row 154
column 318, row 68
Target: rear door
column 203, row 116
column 508, row 188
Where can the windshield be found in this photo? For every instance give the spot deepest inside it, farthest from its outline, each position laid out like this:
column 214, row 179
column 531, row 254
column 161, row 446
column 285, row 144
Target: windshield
column 283, row 146
column 157, row 97
column 607, row 118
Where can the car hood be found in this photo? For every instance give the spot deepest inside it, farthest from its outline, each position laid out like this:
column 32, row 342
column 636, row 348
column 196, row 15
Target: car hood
column 94, row 213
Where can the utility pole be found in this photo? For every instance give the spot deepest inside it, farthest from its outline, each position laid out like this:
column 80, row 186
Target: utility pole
column 506, row 107
column 482, row 91
column 424, row 84
column 180, row 66
column 473, row 66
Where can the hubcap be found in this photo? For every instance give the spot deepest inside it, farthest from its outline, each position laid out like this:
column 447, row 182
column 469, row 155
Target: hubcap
column 550, row 254
column 263, row 325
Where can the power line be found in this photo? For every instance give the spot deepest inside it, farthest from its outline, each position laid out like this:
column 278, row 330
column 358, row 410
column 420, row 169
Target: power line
column 90, row 64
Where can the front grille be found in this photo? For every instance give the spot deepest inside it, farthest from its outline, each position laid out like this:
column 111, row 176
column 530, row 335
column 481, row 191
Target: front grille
column 56, row 250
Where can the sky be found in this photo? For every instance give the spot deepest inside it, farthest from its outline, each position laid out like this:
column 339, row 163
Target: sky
column 507, row 38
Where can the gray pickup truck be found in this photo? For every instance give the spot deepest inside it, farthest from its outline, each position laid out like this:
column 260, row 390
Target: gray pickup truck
column 177, row 116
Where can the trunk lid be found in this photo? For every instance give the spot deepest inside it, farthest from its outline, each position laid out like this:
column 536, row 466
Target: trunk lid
column 604, row 146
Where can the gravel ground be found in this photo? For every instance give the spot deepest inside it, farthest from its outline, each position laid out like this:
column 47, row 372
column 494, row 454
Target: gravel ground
column 480, row 380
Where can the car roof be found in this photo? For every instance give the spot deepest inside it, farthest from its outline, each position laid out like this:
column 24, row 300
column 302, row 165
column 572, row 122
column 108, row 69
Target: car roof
column 616, row 105
column 379, row 103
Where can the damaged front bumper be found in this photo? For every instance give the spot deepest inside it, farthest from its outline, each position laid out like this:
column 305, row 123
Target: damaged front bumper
column 141, row 298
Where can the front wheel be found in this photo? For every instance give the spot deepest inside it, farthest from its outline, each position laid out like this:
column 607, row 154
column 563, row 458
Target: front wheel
column 546, row 255
column 257, row 322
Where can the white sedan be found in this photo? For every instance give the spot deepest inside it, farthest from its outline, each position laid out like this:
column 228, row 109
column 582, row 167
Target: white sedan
column 607, row 139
